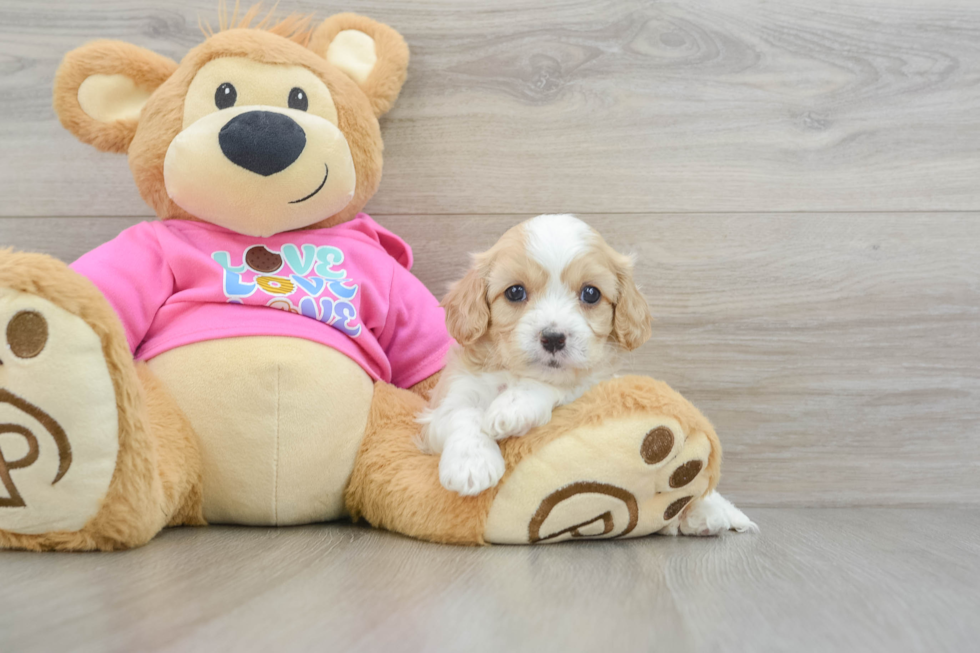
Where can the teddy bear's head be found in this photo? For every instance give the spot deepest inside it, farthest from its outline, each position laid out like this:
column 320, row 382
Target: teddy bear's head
column 259, row 129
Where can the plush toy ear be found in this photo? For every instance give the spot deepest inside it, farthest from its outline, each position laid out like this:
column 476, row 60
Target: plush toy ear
column 373, row 55
column 100, row 89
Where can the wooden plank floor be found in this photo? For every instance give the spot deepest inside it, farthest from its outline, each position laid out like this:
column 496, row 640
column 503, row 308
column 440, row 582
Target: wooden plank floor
column 853, row 579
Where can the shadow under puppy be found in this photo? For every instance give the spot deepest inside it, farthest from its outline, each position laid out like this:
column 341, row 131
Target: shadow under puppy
column 541, row 317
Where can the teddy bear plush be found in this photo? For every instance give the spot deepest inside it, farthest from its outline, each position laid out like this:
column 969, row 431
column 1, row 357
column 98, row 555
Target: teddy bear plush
column 259, row 354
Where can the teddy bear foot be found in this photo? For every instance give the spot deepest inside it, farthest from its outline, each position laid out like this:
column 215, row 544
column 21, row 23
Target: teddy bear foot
column 78, row 469
column 58, row 418
column 629, row 474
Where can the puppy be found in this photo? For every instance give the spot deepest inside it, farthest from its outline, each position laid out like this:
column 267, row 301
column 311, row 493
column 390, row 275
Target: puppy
column 539, row 318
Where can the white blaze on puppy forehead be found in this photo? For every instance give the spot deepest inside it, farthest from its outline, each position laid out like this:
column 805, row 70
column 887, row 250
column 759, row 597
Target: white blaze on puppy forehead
column 554, row 241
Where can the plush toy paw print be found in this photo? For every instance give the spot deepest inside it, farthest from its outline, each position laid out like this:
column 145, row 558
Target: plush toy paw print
column 60, row 411
column 77, row 470
column 57, row 456
column 622, row 476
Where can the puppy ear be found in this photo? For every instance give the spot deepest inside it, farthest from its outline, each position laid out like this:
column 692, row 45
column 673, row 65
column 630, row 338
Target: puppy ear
column 631, row 316
column 467, row 310
column 100, row 89
column 372, row 54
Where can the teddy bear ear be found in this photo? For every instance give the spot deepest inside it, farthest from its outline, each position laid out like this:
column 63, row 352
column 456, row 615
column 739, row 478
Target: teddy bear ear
column 372, row 54
column 101, row 87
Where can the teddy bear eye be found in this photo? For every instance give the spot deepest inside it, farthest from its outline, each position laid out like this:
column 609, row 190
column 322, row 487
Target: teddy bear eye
column 225, row 96
column 298, row 99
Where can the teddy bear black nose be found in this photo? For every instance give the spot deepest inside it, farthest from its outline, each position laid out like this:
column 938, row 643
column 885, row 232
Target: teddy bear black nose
column 263, row 142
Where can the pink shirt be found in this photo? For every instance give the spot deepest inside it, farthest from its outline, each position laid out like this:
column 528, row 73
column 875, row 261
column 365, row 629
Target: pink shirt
column 176, row 282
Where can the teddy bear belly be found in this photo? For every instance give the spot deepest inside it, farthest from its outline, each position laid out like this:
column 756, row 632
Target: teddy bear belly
column 280, row 421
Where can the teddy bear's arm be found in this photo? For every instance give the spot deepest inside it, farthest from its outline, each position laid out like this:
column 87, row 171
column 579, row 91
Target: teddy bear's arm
column 133, row 275
column 414, row 336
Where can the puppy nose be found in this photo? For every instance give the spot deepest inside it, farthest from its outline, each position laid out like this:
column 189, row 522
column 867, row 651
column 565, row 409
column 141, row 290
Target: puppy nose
column 553, row 341
column 263, row 142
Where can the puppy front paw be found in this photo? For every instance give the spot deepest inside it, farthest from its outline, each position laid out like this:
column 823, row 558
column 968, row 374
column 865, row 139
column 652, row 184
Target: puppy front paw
column 513, row 414
column 471, row 467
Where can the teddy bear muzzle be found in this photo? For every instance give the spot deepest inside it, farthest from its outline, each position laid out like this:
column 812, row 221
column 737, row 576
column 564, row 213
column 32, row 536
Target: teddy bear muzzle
column 260, row 170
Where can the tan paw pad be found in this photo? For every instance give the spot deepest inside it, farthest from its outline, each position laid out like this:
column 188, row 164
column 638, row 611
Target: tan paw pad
column 627, row 477
column 58, row 418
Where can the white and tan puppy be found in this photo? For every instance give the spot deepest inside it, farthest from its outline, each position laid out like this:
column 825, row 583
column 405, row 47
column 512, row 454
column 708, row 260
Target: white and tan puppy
column 539, row 318
column 542, row 316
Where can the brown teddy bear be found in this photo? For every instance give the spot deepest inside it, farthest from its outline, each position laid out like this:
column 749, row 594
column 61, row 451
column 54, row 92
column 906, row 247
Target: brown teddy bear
column 259, row 354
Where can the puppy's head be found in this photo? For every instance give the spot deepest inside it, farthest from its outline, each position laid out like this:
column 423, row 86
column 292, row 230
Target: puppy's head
column 551, row 298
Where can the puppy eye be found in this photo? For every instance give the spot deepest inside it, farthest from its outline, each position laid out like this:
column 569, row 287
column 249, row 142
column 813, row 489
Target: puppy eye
column 590, row 294
column 515, row 293
column 225, row 96
column 298, row 99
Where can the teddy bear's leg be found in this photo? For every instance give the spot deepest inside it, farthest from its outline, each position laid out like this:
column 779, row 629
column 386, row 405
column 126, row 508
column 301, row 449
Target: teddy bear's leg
column 628, row 459
column 94, row 453
column 625, row 460
column 395, row 486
